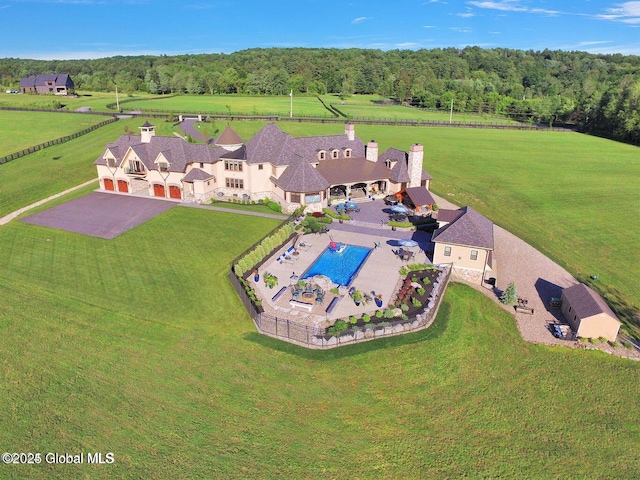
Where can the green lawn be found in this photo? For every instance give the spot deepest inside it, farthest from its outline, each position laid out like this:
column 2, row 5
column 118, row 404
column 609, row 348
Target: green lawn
column 99, row 356
column 22, row 130
column 96, row 100
column 248, row 105
column 363, row 107
column 572, row 196
column 54, row 169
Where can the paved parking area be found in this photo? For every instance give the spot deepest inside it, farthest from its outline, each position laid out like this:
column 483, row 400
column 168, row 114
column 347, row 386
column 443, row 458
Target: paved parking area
column 101, row 215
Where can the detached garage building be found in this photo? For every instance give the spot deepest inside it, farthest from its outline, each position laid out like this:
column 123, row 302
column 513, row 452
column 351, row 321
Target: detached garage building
column 588, row 314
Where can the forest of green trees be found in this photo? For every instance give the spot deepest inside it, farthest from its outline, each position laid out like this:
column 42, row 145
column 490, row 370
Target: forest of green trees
column 598, row 93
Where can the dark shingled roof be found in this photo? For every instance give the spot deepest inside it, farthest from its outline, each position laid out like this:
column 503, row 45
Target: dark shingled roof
column 446, row 215
column 585, row 302
column 301, row 177
column 273, row 145
column 470, row 229
column 196, row 174
column 58, row 79
column 239, row 154
column 400, row 171
column 419, row 196
column 229, row 137
column 350, row 170
column 178, row 152
column 28, row 82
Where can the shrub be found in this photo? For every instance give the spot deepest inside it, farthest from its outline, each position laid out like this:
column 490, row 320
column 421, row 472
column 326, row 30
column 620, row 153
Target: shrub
column 260, row 201
column 274, row 206
column 337, row 328
column 378, row 313
column 509, row 296
column 388, row 313
column 366, row 318
column 237, row 270
column 335, row 291
column 404, row 271
column 421, row 291
column 384, row 324
column 404, row 307
column 353, row 320
column 416, row 302
column 613, row 344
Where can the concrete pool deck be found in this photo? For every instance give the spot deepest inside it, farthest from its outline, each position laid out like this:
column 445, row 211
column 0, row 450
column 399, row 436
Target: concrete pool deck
column 380, row 273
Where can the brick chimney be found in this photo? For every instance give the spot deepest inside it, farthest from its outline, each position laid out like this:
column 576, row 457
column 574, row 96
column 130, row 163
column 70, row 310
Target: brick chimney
column 350, row 131
column 414, row 167
column 372, row 151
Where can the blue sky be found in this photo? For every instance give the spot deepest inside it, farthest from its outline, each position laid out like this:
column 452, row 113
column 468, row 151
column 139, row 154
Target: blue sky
column 71, row 29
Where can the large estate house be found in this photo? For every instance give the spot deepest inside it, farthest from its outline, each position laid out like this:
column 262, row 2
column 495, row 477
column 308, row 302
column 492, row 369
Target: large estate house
column 272, row 164
column 52, row 83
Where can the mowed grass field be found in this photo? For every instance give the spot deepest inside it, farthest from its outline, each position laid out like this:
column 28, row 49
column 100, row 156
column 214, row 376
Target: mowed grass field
column 96, row 100
column 574, row 197
column 140, row 347
column 248, row 105
column 22, row 130
column 36, row 176
column 363, row 107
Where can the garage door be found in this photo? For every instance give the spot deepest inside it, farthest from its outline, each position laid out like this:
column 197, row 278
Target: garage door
column 158, row 190
column 123, row 186
column 108, row 184
column 174, row 192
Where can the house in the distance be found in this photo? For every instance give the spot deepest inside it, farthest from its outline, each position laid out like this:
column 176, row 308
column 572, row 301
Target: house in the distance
column 464, row 238
column 51, row 84
column 292, row 171
column 588, row 314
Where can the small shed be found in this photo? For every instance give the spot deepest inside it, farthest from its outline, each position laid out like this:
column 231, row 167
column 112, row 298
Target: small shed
column 588, row 314
column 420, row 197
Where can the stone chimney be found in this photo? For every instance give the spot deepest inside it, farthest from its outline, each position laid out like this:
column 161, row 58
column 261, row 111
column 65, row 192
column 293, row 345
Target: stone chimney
column 350, row 131
column 414, row 167
column 372, row 151
column 146, row 132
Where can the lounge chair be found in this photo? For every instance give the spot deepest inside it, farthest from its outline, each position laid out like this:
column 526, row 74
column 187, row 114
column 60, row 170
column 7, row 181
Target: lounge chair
column 286, row 260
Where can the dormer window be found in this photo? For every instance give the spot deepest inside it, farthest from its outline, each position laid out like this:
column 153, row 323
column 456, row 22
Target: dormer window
column 387, row 163
column 334, row 154
column 347, row 153
column 322, row 155
column 163, row 166
column 111, row 162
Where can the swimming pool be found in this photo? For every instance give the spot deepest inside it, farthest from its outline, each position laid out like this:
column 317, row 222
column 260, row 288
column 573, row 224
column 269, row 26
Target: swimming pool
column 340, row 267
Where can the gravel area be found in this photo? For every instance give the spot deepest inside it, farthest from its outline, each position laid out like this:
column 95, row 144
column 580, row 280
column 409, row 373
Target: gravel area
column 537, row 278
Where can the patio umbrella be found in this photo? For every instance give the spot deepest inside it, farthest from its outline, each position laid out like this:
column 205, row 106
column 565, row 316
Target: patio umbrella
column 351, row 205
column 406, row 242
column 399, row 209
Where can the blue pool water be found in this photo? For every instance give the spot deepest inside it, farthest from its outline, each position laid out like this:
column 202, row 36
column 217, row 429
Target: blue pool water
column 339, row 267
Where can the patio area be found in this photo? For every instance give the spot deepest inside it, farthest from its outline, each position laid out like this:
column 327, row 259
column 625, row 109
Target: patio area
column 379, row 273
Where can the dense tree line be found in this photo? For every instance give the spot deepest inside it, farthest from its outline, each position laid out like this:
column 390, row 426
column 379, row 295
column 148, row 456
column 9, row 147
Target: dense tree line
column 598, row 92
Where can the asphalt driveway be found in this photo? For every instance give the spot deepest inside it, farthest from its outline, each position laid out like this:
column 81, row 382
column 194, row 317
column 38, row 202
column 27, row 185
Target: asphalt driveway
column 101, row 215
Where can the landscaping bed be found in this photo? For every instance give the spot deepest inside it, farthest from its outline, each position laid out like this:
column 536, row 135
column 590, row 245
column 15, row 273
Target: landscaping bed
column 412, row 299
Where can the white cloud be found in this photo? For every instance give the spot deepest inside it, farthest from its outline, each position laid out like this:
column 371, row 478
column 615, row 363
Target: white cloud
column 628, row 12
column 461, row 29
column 359, row 20
column 466, row 14
column 429, row 26
column 504, row 5
column 407, row 45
